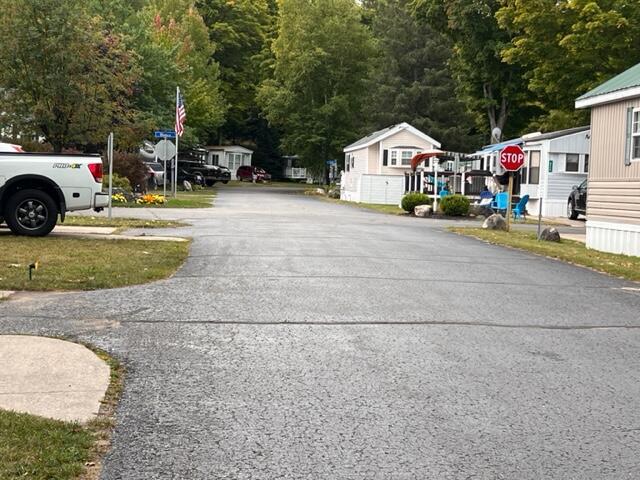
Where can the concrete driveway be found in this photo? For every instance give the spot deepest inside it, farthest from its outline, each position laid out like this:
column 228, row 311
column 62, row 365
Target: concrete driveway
column 306, row 340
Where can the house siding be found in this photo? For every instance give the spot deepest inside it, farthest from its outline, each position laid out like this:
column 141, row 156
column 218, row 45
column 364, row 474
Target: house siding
column 614, row 188
column 402, row 139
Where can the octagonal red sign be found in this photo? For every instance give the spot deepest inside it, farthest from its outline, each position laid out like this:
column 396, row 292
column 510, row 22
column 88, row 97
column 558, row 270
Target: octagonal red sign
column 512, row 158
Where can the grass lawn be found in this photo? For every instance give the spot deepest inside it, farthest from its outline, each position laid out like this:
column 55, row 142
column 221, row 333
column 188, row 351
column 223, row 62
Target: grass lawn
column 85, row 264
column 388, row 209
column 41, row 449
column 567, row 250
column 119, row 223
column 37, row 448
column 196, row 199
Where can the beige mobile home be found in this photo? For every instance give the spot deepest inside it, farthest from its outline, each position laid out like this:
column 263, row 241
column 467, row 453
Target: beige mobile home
column 613, row 195
column 375, row 166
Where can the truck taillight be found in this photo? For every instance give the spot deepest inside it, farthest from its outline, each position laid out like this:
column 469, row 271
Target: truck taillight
column 96, row 171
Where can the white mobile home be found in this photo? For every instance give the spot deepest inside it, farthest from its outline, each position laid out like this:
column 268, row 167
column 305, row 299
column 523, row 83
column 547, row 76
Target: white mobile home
column 375, row 166
column 555, row 163
column 230, row 156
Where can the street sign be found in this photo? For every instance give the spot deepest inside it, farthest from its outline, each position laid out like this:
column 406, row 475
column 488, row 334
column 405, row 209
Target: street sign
column 512, row 158
column 165, row 150
column 164, row 134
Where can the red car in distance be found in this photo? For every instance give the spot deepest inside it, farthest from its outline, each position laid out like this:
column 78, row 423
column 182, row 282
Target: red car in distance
column 246, row 173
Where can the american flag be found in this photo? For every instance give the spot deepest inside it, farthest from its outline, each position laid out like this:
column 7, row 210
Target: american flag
column 181, row 114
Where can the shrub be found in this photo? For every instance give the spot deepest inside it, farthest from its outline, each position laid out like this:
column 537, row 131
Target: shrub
column 120, row 182
column 131, row 166
column 455, row 205
column 412, row 200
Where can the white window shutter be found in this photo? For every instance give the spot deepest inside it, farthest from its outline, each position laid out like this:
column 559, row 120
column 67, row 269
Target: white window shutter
column 628, row 145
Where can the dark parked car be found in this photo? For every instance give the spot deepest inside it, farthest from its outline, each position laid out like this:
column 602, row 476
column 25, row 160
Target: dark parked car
column 577, row 204
column 194, row 163
column 246, row 172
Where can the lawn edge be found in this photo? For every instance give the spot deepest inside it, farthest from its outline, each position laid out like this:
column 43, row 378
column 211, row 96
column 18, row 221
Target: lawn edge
column 103, row 425
column 452, row 229
column 189, row 241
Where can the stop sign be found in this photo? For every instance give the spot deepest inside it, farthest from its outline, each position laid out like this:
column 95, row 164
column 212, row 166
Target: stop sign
column 512, row 158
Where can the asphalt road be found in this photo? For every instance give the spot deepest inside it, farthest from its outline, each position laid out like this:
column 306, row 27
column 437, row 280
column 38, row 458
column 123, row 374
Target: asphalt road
column 306, row 340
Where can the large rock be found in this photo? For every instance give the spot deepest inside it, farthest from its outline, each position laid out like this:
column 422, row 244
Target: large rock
column 422, row 210
column 495, row 222
column 333, row 193
column 187, row 186
column 476, row 210
column 550, row 234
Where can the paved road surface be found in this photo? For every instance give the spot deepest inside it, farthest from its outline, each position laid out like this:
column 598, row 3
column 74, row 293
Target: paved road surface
column 306, row 340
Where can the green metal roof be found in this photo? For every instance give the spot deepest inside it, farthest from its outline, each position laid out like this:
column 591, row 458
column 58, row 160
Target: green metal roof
column 627, row 79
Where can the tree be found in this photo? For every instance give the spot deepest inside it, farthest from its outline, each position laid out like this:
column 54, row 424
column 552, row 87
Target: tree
column 492, row 89
column 62, row 76
column 565, row 48
column 239, row 30
column 322, row 58
column 175, row 34
column 412, row 80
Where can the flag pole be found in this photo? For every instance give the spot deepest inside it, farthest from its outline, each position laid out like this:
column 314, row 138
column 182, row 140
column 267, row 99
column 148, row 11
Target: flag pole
column 175, row 169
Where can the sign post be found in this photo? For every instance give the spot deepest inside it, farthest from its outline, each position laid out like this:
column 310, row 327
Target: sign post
column 110, row 157
column 512, row 160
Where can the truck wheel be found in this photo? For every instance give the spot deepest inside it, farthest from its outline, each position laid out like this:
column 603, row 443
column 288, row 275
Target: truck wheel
column 571, row 211
column 225, row 182
column 31, row 212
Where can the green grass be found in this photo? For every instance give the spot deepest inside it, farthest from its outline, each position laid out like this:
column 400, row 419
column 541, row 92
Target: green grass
column 388, row 209
column 567, row 250
column 196, row 199
column 42, row 449
column 86, row 264
column 119, row 223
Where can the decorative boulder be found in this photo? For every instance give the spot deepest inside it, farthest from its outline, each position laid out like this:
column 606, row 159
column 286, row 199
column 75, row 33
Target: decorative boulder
column 333, row 193
column 495, row 222
column 422, row 210
column 187, row 186
column 550, row 234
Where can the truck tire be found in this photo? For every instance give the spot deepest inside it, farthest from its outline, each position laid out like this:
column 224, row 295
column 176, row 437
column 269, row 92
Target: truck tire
column 32, row 213
column 571, row 211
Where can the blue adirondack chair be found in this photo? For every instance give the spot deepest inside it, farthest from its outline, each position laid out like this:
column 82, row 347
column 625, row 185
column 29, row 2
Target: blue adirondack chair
column 500, row 202
column 520, row 210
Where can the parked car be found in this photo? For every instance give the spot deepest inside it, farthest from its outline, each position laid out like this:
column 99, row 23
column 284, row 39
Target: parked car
column 39, row 188
column 157, row 169
column 194, row 163
column 246, row 172
column 577, row 203
column 10, row 148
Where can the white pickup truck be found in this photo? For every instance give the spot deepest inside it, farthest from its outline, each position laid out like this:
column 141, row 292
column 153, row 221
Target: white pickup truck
column 36, row 188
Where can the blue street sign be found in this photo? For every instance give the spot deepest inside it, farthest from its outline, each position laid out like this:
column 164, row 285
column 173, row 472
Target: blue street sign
column 164, row 134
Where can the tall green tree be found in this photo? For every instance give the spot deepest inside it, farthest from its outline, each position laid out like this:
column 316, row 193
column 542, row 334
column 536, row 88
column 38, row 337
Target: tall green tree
column 174, row 32
column 412, row 80
column 63, row 77
column 316, row 93
column 239, row 30
column 492, row 89
column 566, row 47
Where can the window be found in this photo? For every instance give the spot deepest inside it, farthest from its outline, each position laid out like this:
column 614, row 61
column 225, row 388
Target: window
column 353, row 161
column 347, row 163
column 394, row 157
column 573, row 163
column 635, row 132
column 406, row 157
column 586, row 163
column 534, row 167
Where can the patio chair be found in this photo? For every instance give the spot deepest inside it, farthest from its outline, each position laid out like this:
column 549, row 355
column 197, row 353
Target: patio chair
column 520, row 210
column 444, row 193
column 499, row 203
